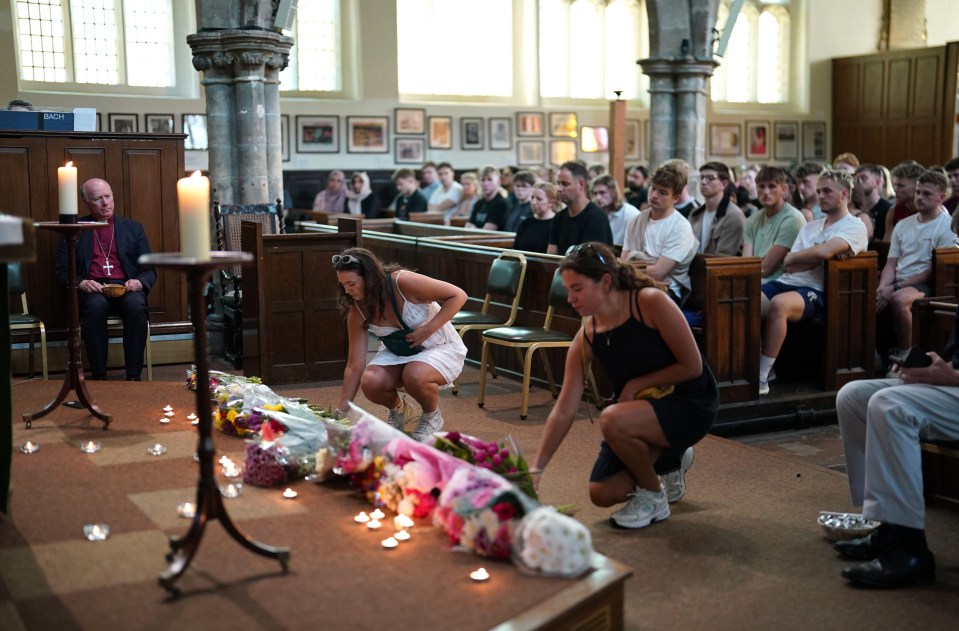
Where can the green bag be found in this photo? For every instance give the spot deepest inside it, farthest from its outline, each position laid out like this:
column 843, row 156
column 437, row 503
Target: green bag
column 396, row 341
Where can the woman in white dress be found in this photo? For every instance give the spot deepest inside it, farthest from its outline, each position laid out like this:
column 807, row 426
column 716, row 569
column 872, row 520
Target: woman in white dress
column 420, row 352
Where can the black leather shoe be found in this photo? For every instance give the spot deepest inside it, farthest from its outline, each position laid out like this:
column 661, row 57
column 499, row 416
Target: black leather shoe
column 862, row 549
column 894, row 568
column 129, row 378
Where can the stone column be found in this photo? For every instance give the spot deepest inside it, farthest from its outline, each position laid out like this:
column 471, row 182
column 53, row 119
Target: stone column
column 242, row 112
column 691, row 107
column 662, row 110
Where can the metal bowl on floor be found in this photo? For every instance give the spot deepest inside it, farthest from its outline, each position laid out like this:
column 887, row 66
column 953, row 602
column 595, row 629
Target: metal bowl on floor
column 845, row 526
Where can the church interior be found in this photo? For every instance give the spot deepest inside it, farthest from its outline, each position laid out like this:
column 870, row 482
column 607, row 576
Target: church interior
column 267, row 101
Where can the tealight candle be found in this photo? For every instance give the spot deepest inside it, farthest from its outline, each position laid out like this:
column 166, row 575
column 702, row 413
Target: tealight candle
column 389, row 543
column 402, row 522
column 168, row 414
column 480, row 575
column 96, row 532
column 362, row 518
column 168, row 408
column 192, row 417
column 232, row 471
column 165, row 420
column 373, row 524
column 195, row 421
column 289, row 494
column 377, row 514
column 156, row 449
column 29, row 447
column 232, row 490
column 90, row 446
column 402, row 535
column 193, row 197
column 186, row 510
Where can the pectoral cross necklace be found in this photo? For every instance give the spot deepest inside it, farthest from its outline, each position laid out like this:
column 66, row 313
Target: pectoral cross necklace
column 107, row 266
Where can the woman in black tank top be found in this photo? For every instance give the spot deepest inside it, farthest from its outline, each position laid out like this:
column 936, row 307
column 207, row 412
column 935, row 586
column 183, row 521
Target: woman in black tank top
column 639, row 336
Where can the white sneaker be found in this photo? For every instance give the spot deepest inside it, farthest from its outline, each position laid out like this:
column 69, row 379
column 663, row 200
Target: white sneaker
column 643, row 508
column 763, row 388
column 428, row 424
column 399, row 417
column 674, row 482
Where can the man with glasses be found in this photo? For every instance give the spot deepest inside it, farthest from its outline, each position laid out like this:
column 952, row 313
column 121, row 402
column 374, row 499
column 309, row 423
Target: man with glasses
column 582, row 220
column 718, row 223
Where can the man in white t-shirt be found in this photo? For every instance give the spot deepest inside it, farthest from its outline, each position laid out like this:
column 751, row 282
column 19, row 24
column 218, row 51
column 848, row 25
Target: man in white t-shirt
column 660, row 235
column 905, row 277
column 798, row 294
column 447, row 195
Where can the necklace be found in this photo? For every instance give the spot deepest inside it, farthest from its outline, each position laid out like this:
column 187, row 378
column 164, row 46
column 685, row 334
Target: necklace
column 107, row 267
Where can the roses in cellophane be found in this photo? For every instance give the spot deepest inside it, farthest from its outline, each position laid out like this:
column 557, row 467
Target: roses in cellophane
column 286, row 448
column 503, row 458
column 479, row 511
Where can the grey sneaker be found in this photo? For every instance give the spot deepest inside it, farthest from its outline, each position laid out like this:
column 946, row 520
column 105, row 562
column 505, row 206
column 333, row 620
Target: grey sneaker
column 674, row 482
column 428, row 424
column 643, row 508
column 400, row 417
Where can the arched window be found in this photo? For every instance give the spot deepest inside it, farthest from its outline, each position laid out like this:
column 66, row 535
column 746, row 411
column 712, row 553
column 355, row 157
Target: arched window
column 575, row 63
column 455, row 47
column 110, row 42
column 755, row 67
column 315, row 59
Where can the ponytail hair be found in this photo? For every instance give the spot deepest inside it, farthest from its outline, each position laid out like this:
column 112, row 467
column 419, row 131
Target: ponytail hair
column 594, row 260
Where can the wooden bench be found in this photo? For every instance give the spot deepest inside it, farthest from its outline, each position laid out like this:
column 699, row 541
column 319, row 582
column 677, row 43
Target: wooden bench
column 726, row 294
column 293, row 331
column 933, row 320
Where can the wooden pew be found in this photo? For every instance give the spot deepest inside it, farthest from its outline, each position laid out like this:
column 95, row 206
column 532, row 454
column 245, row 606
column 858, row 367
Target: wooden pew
column 428, row 217
column 945, row 272
column 293, row 331
column 503, row 240
column 932, row 323
column 726, row 293
column 842, row 347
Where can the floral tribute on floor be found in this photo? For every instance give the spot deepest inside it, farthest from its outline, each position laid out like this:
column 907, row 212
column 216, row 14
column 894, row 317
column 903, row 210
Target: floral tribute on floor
column 479, row 492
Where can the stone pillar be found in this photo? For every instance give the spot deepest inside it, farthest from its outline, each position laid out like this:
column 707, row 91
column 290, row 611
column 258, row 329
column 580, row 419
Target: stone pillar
column 242, row 112
column 691, row 107
column 662, row 110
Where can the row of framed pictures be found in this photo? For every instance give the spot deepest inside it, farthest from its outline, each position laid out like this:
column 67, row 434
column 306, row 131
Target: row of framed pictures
column 784, row 143
column 193, row 125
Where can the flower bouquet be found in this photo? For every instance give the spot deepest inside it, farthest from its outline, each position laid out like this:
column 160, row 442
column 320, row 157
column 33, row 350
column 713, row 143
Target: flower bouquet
column 479, row 511
column 286, row 449
column 503, row 458
column 549, row 542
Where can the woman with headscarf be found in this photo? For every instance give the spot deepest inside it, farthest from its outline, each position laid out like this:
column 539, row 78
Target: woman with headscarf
column 332, row 199
column 360, row 198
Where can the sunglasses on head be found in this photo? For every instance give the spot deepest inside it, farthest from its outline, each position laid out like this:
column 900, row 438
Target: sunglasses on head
column 345, row 259
column 584, row 249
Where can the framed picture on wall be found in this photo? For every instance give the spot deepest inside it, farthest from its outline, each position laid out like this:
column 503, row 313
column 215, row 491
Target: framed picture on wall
column 500, row 133
column 530, row 152
column 633, row 140
column 529, row 124
column 123, row 123
column 285, row 136
column 757, row 140
column 409, row 120
column 563, row 124
column 786, row 134
column 194, row 126
column 471, row 133
column 441, row 132
column 814, row 140
column 593, row 139
column 410, row 150
column 725, row 139
column 317, row 134
column 561, row 151
column 158, row 123
column 367, row 134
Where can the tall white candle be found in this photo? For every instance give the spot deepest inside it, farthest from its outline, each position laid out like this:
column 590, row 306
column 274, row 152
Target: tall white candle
column 193, row 195
column 67, row 179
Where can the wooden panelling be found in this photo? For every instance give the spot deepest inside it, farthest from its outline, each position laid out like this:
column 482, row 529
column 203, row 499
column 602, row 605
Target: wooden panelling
column 903, row 106
column 143, row 171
